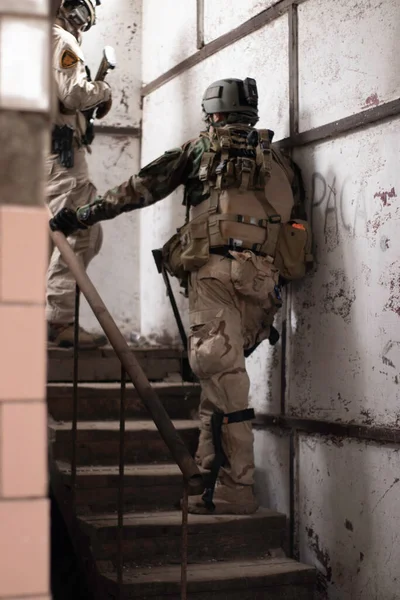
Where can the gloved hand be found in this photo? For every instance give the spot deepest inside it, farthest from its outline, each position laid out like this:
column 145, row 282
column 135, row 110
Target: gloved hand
column 66, row 220
column 103, row 109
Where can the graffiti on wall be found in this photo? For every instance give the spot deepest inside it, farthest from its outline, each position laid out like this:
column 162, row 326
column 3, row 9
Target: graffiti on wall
column 342, row 211
column 337, row 213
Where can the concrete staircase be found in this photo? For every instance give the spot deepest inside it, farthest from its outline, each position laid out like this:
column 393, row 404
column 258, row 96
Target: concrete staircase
column 230, row 557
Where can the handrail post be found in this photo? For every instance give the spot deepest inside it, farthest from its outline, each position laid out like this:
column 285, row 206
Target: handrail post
column 184, row 558
column 121, row 485
column 74, row 431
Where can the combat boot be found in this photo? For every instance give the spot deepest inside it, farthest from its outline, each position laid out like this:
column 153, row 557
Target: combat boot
column 235, row 500
column 205, row 451
column 63, row 336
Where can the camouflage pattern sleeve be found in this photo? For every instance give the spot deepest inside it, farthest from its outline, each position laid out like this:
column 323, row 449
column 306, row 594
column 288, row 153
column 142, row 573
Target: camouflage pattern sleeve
column 153, row 183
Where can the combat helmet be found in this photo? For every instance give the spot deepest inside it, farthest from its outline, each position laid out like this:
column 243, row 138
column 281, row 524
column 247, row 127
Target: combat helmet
column 236, row 97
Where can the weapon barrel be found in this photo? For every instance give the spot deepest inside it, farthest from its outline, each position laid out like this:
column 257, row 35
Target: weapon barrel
column 103, row 69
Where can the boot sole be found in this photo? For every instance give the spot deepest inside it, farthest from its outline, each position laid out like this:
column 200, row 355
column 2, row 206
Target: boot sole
column 223, row 508
column 227, row 509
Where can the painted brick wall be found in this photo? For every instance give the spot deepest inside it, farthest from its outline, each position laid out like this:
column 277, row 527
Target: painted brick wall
column 24, row 109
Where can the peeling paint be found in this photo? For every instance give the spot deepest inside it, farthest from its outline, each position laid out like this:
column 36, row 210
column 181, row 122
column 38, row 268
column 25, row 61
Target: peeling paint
column 124, row 100
column 352, row 69
column 339, row 295
column 368, row 417
column 320, row 553
column 385, row 196
column 384, row 243
column 388, row 354
column 372, row 100
column 391, row 280
column 349, row 525
column 349, row 518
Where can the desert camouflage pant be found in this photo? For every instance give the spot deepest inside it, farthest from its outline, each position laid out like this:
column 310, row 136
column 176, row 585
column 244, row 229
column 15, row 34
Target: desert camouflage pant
column 69, row 188
column 223, row 324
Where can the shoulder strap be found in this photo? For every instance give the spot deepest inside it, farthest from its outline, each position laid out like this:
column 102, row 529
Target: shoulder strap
column 264, row 154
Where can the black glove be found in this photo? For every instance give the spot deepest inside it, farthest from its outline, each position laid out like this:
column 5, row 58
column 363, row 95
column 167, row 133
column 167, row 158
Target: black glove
column 66, row 221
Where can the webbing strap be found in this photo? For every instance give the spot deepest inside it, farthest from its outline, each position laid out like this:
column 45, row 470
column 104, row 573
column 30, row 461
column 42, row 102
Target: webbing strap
column 205, row 165
column 238, row 416
column 247, row 168
column 225, row 143
column 269, row 246
column 213, row 202
column 263, row 223
column 205, row 170
column 264, row 154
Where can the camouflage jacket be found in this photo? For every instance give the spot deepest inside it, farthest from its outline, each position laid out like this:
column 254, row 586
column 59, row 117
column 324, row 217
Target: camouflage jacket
column 154, row 182
column 161, row 177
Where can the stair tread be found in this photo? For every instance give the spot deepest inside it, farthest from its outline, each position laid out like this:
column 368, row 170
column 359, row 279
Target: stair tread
column 108, row 351
column 103, row 364
column 115, row 385
column 214, row 571
column 130, row 425
column 151, row 470
column 174, row 518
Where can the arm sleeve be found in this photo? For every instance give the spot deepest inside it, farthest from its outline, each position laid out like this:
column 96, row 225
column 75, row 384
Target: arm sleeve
column 153, row 183
column 74, row 89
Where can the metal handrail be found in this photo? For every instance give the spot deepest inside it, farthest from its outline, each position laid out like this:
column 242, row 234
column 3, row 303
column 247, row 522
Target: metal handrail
column 192, row 478
column 148, row 395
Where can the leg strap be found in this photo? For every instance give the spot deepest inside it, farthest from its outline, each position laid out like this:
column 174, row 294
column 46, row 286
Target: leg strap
column 217, row 420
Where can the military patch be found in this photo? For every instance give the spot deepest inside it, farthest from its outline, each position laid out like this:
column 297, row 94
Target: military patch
column 68, row 59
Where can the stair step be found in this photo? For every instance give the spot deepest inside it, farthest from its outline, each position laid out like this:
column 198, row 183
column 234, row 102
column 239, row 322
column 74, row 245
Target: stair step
column 146, row 487
column 98, row 441
column 102, row 400
column 103, row 365
column 267, row 579
column 155, row 538
column 251, row 564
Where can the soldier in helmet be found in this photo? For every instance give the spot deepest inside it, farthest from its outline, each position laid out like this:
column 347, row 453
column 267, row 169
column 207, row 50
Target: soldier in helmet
column 69, row 185
column 245, row 235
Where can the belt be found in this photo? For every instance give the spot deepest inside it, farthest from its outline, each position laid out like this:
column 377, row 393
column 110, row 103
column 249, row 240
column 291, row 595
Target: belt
column 224, row 251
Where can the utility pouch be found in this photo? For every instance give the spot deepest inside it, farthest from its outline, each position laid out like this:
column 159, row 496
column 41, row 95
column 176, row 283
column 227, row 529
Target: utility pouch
column 195, row 245
column 254, row 277
column 172, row 259
column 293, row 253
column 62, row 144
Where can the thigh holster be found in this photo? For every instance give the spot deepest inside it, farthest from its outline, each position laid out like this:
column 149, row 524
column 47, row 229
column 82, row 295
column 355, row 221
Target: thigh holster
column 217, row 420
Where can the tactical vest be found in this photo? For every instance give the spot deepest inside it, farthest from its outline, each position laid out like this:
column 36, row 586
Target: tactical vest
column 248, row 206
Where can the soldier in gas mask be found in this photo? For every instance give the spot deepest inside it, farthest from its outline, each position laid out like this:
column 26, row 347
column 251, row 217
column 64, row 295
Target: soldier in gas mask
column 69, row 184
column 246, row 234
